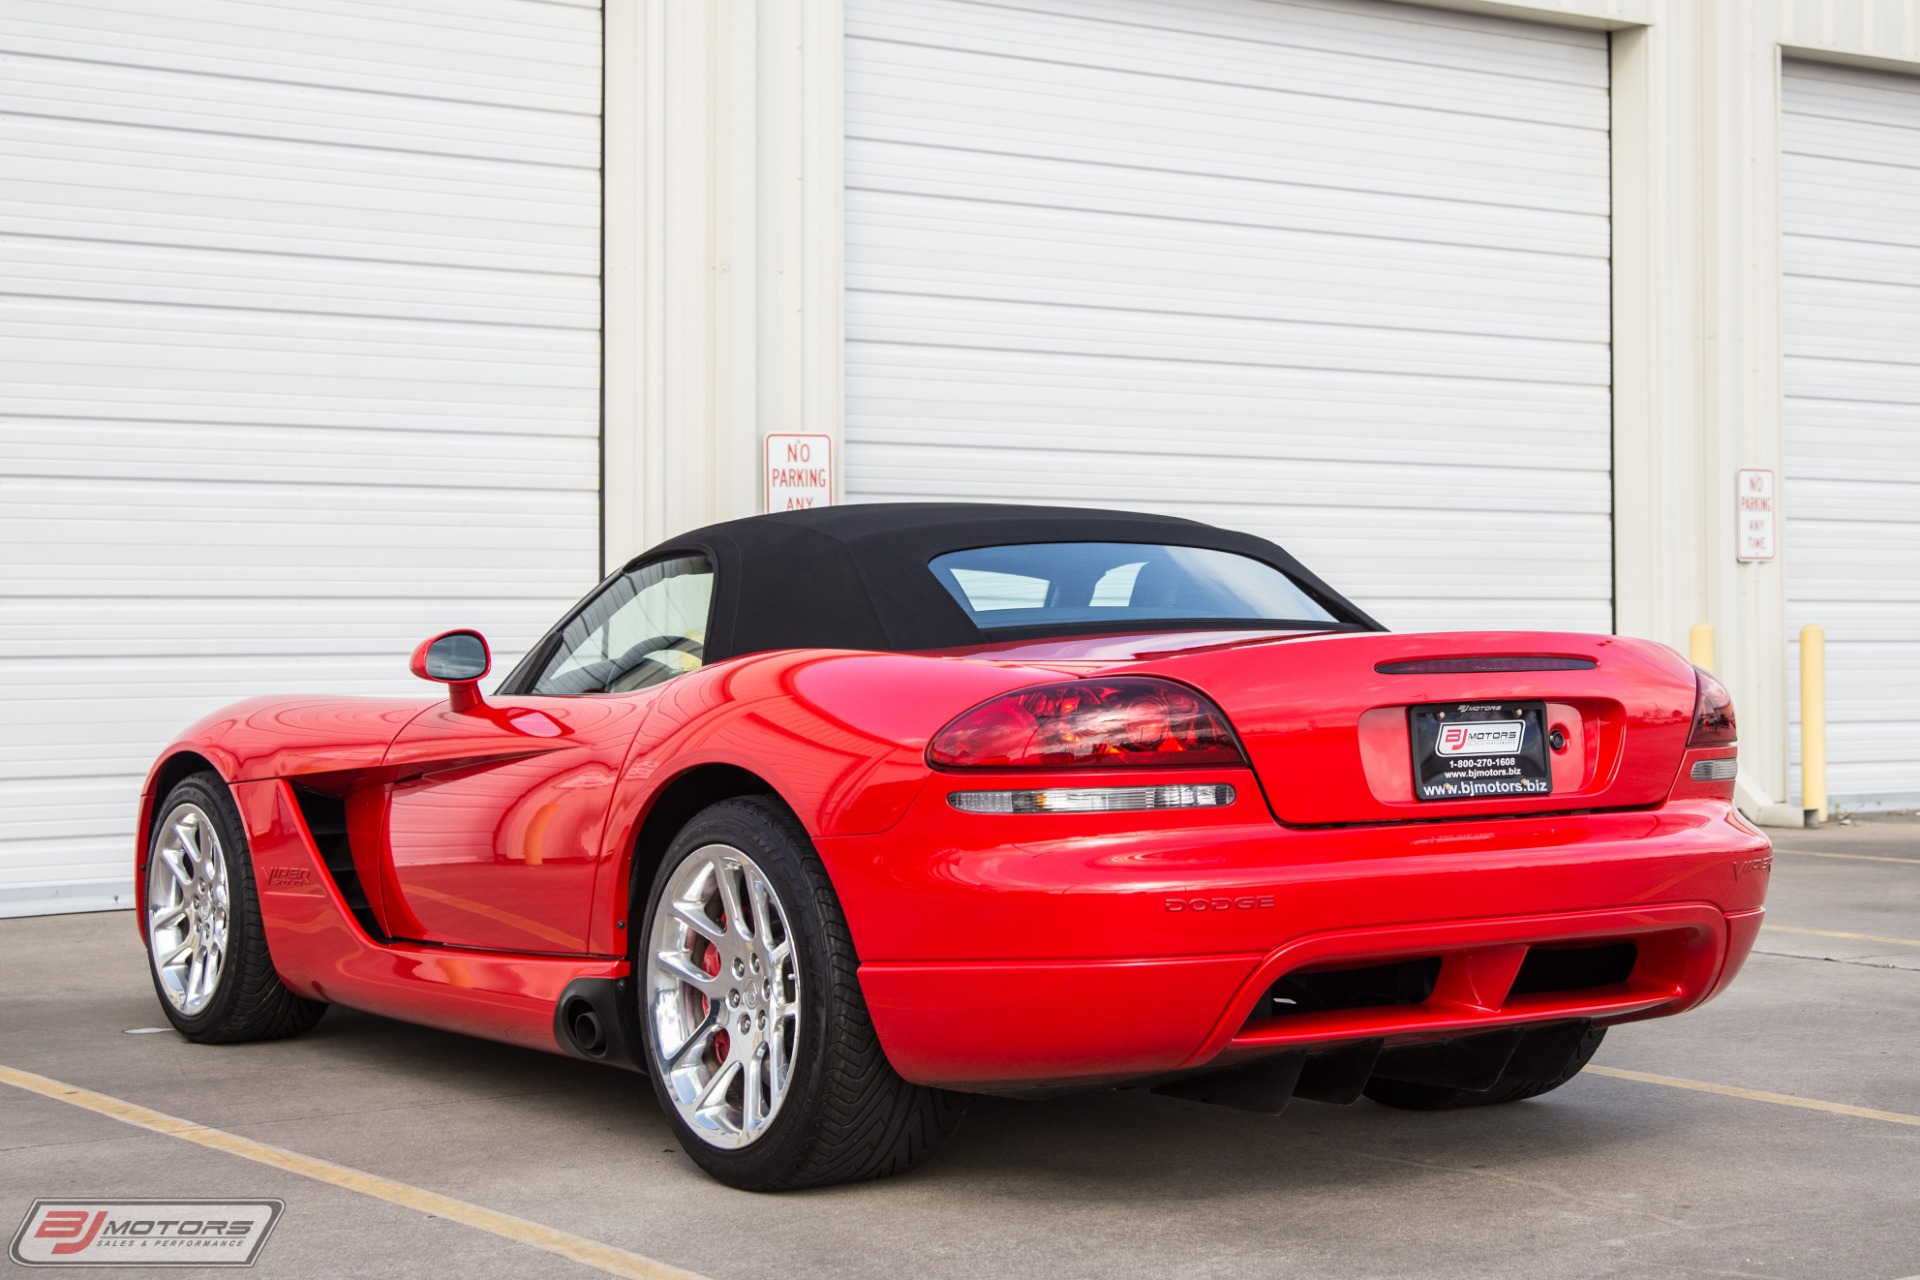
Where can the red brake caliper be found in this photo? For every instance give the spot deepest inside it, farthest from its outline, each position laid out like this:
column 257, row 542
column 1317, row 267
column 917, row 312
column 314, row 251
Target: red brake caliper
column 710, row 963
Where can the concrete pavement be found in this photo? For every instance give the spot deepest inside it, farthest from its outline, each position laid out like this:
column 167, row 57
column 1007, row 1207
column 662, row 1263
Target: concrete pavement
column 1607, row 1177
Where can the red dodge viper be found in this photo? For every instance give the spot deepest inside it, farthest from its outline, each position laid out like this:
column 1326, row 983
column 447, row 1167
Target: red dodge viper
column 824, row 820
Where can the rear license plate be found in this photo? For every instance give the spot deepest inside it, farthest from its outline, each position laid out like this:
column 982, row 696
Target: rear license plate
column 1480, row 750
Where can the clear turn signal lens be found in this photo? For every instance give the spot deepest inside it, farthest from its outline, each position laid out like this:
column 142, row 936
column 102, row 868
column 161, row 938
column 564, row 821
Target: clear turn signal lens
column 1716, row 770
column 1092, row 799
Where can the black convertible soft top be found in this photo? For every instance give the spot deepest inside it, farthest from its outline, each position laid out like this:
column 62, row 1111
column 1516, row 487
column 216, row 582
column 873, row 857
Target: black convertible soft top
column 856, row 577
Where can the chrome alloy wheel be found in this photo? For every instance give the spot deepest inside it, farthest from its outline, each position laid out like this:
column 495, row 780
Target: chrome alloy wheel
column 187, row 908
column 723, row 996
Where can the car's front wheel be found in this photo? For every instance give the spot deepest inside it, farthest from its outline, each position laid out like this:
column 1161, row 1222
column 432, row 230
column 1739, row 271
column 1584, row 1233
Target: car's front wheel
column 757, row 1037
column 206, row 943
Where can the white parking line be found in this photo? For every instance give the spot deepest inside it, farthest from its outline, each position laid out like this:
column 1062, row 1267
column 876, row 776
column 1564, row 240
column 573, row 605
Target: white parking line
column 1756, row 1095
column 602, row 1257
column 1851, row 857
column 1829, row 933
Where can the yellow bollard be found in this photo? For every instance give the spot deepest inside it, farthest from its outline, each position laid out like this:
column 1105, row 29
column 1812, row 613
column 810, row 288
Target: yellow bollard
column 1813, row 720
column 1700, row 645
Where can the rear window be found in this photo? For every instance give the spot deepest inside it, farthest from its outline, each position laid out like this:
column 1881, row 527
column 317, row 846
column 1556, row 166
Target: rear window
column 1049, row 583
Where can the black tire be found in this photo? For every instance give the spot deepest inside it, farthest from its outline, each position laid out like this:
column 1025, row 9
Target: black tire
column 249, row 1002
column 847, row 1115
column 1407, row 1096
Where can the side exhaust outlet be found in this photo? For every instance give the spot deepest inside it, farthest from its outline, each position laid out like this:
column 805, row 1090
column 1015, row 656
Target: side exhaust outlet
column 598, row 1019
column 587, row 1032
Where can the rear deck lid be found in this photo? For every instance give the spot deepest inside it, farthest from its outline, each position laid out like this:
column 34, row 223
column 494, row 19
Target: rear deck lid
column 1394, row 728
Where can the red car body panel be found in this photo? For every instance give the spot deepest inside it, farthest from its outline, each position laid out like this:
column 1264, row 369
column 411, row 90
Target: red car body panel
column 496, row 846
column 290, row 737
column 496, row 816
column 323, row 953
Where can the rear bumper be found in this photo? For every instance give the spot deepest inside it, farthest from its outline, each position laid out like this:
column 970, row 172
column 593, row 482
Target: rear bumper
column 1101, row 957
column 1010, row 1024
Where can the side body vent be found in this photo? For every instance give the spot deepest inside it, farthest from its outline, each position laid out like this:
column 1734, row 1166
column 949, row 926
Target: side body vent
column 326, row 819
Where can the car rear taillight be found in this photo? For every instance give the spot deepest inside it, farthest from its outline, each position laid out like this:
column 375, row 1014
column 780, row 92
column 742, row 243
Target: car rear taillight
column 1088, row 724
column 1712, row 713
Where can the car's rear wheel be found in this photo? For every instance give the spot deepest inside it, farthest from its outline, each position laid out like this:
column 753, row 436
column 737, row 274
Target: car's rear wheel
column 206, row 945
column 757, row 1037
column 1512, row 1087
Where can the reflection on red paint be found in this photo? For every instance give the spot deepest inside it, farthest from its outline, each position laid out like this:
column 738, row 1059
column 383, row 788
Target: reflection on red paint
column 497, row 845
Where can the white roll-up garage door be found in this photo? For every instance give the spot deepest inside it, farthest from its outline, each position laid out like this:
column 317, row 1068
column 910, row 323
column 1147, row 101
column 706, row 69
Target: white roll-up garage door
column 299, row 362
column 1331, row 271
column 1851, row 329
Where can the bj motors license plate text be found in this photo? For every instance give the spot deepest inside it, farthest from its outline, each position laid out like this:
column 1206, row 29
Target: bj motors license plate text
column 144, row 1233
column 1472, row 750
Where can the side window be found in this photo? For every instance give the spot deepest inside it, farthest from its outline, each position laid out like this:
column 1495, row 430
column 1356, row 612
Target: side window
column 646, row 627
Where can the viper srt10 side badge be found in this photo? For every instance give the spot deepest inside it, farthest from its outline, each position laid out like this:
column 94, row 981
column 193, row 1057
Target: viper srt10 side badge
column 1481, row 738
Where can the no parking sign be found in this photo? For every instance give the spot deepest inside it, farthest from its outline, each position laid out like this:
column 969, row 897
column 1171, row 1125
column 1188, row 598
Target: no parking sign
column 799, row 471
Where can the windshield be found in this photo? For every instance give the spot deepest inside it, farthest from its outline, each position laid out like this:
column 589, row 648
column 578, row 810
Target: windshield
column 1108, row 583
column 644, row 627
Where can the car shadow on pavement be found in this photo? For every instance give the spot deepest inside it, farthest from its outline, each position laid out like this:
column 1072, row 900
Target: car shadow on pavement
column 1094, row 1144
column 1088, row 1148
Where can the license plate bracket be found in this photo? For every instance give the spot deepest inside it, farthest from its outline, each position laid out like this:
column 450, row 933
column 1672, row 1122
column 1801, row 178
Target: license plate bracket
column 1480, row 751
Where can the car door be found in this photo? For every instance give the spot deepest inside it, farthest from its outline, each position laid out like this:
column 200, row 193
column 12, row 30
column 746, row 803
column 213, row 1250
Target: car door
column 496, row 814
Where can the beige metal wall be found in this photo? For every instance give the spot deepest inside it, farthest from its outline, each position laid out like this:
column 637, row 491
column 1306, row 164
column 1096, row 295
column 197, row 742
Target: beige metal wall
column 723, row 282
